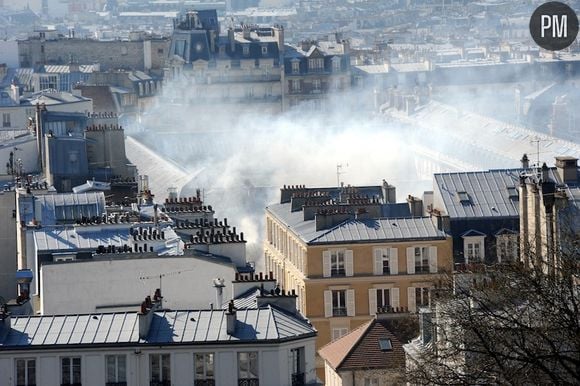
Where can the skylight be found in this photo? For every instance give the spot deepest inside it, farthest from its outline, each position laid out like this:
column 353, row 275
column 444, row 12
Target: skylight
column 462, row 196
column 385, row 344
column 512, row 192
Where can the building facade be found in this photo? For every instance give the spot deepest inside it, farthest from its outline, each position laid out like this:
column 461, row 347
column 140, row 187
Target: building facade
column 346, row 258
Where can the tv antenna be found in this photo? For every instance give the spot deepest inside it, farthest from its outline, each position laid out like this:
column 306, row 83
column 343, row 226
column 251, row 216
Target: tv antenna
column 164, row 274
column 537, row 141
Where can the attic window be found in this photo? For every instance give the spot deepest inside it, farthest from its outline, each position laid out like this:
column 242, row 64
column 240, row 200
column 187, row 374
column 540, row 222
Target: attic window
column 385, row 344
column 512, row 192
column 463, row 197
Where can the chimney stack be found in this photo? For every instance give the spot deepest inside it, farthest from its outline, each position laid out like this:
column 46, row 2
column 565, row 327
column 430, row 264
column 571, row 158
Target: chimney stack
column 4, row 318
column 567, row 168
column 219, row 285
column 231, row 319
column 525, row 162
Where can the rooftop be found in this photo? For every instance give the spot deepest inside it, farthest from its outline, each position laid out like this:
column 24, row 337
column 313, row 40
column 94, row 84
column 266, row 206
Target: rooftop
column 255, row 325
column 362, row 349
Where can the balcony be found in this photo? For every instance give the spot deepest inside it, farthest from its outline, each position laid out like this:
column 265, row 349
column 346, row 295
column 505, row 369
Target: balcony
column 339, row 311
column 248, row 382
column 204, row 382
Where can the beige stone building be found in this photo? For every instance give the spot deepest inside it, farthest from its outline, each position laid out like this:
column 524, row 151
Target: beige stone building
column 348, row 252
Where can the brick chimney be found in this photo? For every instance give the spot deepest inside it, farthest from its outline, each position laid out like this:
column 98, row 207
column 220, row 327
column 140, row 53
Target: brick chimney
column 148, row 308
column 280, row 299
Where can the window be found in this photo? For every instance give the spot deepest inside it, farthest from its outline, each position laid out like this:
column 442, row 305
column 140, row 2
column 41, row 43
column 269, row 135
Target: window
column 316, row 65
column 335, row 64
column 383, row 298
column 474, row 252
column 116, row 370
column 70, row 371
column 159, row 370
column 339, row 303
column 337, row 263
column 421, row 259
column 295, row 66
column 5, row 119
column 421, row 297
column 297, row 369
column 25, row 372
column 246, row 49
column 204, row 369
column 316, row 85
column 248, row 369
column 371, row 381
column 295, row 85
column 338, row 333
column 385, row 344
column 462, row 197
column 385, row 257
column 264, row 50
column 507, row 247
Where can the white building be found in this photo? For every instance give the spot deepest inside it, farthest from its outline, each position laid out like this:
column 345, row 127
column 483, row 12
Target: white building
column 264, row 345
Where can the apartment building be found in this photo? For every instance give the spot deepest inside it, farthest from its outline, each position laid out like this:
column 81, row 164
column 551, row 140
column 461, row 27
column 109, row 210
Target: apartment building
column 350, row 252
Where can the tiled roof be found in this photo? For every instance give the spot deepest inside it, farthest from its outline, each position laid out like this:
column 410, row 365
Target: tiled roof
column 335, row 352
column 167, row 327
column 360, row 349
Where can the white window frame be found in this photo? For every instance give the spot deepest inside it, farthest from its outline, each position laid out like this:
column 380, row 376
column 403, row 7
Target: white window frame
column 247, row 357
column 339, row 307
column 27, row 370
column 207, row 367
column 264, row 50
column 120, row 372
column 386, row 254
column 163, row 376
column 422, row 253
column 316, row 64
column 421, row 259
column 474, row 249
column 296, row 85
column 71, row 370
column 295, row 66
column 316, row 85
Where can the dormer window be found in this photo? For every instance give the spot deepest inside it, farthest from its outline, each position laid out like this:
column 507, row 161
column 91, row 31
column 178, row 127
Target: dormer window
column 295, row 66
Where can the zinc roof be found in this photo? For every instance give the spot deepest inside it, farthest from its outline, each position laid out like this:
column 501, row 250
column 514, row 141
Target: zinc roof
column 480, row 194
column 167, row 327
column 388, row 229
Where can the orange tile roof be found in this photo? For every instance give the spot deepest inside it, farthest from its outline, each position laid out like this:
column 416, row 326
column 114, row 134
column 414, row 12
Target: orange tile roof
column 335, row 352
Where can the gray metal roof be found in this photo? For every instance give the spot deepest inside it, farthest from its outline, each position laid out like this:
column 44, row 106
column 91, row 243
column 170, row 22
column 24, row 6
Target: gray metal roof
column 382, row 229
column 167, row 327
column 70, row 206
column 306, row 230
column 68, row 239
column 486, row 192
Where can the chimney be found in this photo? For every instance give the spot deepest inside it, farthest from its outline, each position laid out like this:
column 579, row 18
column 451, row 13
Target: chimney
column 4, row 318
column 305, row 45
column 231, row 319
column 415, row 206
column 525, row 162
column 145, row 315
column 283, row 300
column 567, row 168
column 219, row 285
column 240, row 286
column 545, row 172
column 231, row 39
column 389, row 193
column 15, row 93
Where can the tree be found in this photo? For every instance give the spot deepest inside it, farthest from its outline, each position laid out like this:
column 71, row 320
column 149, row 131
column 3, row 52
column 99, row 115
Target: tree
column 504, row 324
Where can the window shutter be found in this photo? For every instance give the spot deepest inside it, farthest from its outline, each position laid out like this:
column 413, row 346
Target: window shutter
column 378, row 270
column 372, row 301
column 350, row 311
column 327, row 304
column 411, row 299
column 433, row 259
column 410, row 260
column 394, row 261
column 348, row 263
column 394, row 297
column 326, row 263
